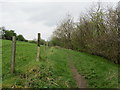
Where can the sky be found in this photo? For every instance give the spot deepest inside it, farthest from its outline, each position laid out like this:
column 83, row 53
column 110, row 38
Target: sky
column 29, row 17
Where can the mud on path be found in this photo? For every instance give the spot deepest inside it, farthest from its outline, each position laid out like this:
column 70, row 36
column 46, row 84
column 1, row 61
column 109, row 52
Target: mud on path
column 80, row 81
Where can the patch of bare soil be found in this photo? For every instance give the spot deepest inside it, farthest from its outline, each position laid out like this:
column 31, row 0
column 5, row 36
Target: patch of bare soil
column 80, row 81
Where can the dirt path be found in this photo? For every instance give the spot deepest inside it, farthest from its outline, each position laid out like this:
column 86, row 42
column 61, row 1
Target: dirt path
column 80, row 81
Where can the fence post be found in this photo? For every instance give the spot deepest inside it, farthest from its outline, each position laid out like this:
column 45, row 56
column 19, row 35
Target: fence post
column 13, row 54
column 38, row 49
column 45, row 47
column 47, row 43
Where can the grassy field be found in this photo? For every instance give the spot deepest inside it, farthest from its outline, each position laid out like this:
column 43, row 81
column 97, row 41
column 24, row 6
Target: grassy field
column 53, row 71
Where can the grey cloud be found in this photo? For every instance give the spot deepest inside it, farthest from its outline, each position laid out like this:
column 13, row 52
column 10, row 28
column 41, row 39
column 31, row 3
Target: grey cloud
column 31, row 18
column 48, row 13
column 51, row 13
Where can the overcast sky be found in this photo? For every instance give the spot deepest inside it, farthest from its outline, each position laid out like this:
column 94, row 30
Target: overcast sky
column 29, row 18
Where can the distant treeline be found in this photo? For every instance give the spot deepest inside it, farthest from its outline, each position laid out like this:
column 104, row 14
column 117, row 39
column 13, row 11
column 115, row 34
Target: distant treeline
column 42, row 41
column 7, row 35
column 95, row 32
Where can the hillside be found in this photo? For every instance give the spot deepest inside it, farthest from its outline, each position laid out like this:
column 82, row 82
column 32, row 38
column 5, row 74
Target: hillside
column 54, row 70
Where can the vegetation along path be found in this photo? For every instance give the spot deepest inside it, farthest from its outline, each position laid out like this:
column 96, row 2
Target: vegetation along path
column 80, row 80
column 58, row 68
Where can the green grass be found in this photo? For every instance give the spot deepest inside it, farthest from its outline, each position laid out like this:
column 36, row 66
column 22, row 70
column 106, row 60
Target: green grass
column 99, row 72
column 53, row 71
column 29, row 73
column 0, row 63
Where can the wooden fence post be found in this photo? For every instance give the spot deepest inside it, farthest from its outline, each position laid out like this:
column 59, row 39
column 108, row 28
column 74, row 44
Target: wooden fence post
column 13, row 54
column 45, row 47
column 38, row 49
column 47, row 44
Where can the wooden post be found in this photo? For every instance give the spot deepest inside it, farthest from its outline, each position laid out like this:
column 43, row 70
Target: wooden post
column 44, row 47
column 47, row 44
column 13, row 54
column 38, row 49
